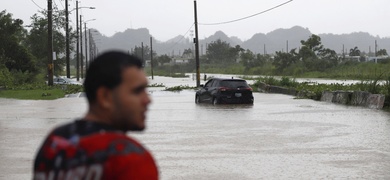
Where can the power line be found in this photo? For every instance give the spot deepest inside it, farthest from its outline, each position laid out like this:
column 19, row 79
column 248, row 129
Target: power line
column 180, row 38
column 226, row 22
column 37, row 4
column 61, row 4
column 55, row 4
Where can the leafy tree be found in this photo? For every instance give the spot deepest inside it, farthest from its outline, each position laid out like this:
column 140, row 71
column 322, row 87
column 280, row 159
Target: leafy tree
column 311, row 47
column 6, row 77
column 163, row 59
column 381, row 52
column 247, row 58
column 137, row 51
column 37, row 38
column 315, row 57
column 261, row 60
column 283, row 60
column 187, row 53
column 250, row 60
column 220, row 52
column 13, row 54
column 313, row 43
column 329, row 58
column 236, row 52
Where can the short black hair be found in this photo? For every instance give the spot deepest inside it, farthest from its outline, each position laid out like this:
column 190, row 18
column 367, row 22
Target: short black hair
column 106, row 70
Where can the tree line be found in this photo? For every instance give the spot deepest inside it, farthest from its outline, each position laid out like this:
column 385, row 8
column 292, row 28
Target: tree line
column 23, row 53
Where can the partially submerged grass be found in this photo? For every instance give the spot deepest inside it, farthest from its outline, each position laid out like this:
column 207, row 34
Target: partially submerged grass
column 156, row 85
column 179, row 88
column 39, row 91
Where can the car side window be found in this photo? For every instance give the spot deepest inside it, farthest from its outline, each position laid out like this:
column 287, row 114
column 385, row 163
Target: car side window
column 215, row 83
column 208, row 84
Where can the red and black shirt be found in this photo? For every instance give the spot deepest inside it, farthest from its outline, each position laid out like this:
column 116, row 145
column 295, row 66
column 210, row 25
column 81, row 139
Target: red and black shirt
column 89, row 150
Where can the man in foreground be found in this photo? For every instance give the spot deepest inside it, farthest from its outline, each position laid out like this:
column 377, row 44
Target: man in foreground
column 96, row 146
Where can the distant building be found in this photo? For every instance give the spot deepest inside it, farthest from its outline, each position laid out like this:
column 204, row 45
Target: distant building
column 377, row 59
column 173, row 62
column 180, row 61
column 352, row 58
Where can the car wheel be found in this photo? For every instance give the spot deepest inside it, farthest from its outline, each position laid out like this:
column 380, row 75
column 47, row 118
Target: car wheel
column 215, row 101
column 197, row 100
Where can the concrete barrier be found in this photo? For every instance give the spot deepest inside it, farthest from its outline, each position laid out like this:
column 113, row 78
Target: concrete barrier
column 375, row 101
column 327, row 96
column 359, row 98
column 355, row 98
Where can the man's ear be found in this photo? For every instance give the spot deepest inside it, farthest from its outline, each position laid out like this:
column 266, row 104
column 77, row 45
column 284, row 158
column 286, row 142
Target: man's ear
column 104, row 98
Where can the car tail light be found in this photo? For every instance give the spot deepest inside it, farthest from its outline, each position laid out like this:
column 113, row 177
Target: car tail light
column 223, row 88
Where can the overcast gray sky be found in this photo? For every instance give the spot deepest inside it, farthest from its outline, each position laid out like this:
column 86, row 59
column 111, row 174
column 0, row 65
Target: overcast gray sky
column 166, row 19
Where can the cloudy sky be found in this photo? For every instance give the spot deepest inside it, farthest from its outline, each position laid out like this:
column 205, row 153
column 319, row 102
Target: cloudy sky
column 166, row 19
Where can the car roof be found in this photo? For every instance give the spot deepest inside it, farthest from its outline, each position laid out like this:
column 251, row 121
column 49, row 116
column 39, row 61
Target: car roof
column 229, row 79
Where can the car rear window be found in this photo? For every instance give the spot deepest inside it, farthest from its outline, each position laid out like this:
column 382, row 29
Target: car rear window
column 233, row 83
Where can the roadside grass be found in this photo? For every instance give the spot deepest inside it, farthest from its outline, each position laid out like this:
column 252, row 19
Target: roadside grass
column 35, row 94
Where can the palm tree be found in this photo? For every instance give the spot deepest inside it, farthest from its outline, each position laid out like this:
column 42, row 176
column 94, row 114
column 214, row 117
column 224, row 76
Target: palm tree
column 354, row 52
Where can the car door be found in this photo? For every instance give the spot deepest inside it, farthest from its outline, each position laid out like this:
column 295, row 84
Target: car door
column 205, row 91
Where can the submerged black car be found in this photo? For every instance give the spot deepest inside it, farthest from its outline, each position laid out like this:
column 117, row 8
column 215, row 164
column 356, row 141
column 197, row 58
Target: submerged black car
column 225, row 91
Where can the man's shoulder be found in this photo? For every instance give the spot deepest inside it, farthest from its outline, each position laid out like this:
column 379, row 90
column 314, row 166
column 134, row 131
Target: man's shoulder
column 80, row 127
column 114, row 142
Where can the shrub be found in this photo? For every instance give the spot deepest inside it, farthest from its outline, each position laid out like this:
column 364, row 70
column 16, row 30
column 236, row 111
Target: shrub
column 179, row 88
column 6, row 77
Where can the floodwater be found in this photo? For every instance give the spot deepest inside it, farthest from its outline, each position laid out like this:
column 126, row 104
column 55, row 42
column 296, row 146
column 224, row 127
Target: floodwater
column 278, row 137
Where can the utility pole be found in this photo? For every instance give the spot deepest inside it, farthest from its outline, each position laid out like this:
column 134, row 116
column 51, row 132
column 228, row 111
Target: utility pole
column 196, row 41
column 192, row 47
column 50, row 65
column 77, row 42
column 376, row 50
column 86, row 46
column 287, row 46
column 90, row 46
column 142, row 53
column 151, row 56
column 201, row 49
column 369, row 51
column 67, row 39
column 81, row 48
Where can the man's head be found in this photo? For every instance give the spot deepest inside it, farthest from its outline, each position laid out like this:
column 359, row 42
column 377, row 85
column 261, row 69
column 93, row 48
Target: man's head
column 115, row 85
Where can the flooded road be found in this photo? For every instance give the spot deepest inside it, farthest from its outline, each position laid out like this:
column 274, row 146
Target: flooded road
column 278, row 137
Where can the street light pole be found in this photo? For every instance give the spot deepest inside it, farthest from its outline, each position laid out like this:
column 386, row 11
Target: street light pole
column 90, row 44
column 86, row 45
column 68, row 39
column 86, row 42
